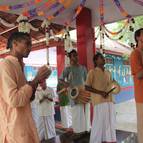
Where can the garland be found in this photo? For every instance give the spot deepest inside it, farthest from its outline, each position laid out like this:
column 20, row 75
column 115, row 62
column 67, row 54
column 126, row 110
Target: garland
column 119, row 6
column 139, row 2
column 78, row 10
column 101, row 11
column 119, row 38
column 5, row 23
column 119, row 31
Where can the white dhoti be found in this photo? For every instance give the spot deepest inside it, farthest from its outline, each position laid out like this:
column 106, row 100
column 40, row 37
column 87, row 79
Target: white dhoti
column 103, row 125
column 66, row 117
column 80, row 118
column 46, row 127
column 35, row 114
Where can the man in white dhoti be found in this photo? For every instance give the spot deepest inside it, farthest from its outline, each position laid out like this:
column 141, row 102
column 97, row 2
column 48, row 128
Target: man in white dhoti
column 75, row 74
column 45, row 108
column 103, row 124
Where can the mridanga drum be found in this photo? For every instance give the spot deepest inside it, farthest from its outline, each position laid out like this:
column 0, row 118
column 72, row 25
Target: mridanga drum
column 79, row 95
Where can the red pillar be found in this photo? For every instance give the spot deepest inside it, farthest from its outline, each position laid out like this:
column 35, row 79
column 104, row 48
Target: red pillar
column 85, row 38
column 60, row 59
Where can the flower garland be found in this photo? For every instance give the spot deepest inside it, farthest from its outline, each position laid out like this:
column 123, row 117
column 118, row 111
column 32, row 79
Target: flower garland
column 139, row 2
column 46, row 24
column 24, row 25
column 101, row 32
column 101, row 11
column 77, row 12
column 5, row 23
column 119, row 37
column 119, row 6
column 119, row 31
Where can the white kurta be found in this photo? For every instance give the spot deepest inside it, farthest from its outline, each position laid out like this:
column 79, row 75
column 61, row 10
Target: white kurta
column 103, row 125
column 45, row 121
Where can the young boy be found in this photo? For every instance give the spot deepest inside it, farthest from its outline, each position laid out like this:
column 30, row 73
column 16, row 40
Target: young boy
column 103, row 125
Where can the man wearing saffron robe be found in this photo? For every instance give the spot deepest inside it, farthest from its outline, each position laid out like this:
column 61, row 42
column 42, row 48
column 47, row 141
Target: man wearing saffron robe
column 136, row 61
column 17, row 124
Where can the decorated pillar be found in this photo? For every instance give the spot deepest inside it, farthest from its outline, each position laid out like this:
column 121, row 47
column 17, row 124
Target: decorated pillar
column 60, row 59
column 85, row 38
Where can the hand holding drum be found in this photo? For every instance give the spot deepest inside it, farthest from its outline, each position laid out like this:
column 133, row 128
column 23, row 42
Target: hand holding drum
column 80, row 95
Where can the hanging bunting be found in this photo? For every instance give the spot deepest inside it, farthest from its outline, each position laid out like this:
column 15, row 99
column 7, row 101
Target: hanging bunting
column 119, row 6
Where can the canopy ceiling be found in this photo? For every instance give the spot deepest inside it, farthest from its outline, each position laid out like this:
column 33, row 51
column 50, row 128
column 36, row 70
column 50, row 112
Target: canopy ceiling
column 111, row 11
column 111, row 14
